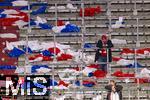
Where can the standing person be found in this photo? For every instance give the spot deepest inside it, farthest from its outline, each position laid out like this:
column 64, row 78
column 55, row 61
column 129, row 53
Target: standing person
column 101, row 53
column 114, row 91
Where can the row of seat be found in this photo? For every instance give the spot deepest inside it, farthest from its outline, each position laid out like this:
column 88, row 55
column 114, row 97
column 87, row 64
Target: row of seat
column 103, row 10
column 95, row 1
column 47, row 33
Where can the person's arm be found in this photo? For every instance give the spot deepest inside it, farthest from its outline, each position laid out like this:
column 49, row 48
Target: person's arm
column 110, row 44
column 98, row 45
column 108, row 87
column 119, row 88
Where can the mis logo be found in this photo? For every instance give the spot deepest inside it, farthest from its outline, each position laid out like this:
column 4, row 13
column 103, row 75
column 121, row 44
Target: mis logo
column 31, row 85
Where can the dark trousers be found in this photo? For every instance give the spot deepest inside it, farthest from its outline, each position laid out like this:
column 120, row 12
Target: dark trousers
column 102, row 59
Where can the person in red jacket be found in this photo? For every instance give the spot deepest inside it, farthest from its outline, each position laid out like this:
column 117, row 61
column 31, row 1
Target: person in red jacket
column 103, row 50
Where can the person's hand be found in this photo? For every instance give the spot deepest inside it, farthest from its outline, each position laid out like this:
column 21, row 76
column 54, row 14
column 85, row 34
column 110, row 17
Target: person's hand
column 100, row 51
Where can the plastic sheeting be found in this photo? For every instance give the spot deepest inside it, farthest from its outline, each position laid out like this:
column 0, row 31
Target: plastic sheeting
column 67, row 28
column 41, row 10
column 91, row 11
column 8, row 35
column 11, row 17
column 140, row 53
column 134, row 65
column 40, row 22
column 118, row 41
column 145, row 72
column 5, row 67
column 85, row 83
column 125, row 62
column 99, row 74
column 88, row 45
column 88, row 83
column 119, row 23
column 14, row 3
column 122, row 74
column 47, row 53
column 15, row 52
column 68, row 6
column 36, row 67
